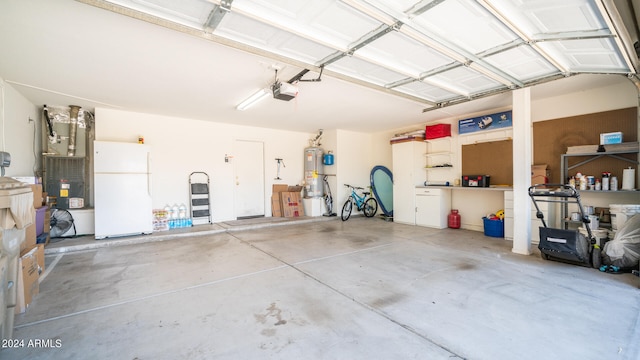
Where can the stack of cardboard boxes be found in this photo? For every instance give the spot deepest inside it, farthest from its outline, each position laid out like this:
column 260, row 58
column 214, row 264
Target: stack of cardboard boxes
column 286, row 201
column 31, row 261
column 539, row 174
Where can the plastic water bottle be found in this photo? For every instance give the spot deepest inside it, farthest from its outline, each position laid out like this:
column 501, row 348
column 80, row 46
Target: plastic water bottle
column 174, row 213
column 613, row 183
column 167, row 215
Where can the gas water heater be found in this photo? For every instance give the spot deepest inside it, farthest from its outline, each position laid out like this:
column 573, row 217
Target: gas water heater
column 313, row 170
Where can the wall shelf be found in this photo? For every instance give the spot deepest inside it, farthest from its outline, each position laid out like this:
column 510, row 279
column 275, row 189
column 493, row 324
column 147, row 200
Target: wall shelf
column 565, row 168
column 436, row 167
column 439, row 153
column 440, row 159
column 564, row 164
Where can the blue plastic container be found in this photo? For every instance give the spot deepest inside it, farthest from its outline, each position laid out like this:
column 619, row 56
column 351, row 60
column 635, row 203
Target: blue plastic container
column 328, row 159
column 493, row 228
column 42, row 238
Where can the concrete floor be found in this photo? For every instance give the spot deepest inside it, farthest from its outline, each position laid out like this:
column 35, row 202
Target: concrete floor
column 361, row 289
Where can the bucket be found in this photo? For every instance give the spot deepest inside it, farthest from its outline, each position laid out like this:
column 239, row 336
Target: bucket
column 620, row 213
column 602, row 235
column 594, row 222
column 493, row 228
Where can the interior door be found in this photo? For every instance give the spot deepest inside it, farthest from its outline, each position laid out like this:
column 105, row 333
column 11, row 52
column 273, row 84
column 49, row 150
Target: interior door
column 249, row 178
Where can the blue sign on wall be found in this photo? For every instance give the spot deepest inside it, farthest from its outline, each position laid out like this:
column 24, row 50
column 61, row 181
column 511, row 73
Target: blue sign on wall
column 485, row 123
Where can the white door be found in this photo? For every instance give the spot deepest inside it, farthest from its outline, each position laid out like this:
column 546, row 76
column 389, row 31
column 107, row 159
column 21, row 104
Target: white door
column 249, row 178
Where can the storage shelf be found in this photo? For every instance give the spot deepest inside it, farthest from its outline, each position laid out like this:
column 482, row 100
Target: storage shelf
column 438, row 139
column 574, row 222
column 438, row 167
column 439, row 153
column 440, row 159
column 565, row 168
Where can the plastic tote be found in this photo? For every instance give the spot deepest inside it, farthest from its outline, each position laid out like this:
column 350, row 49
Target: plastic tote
column 493, row 227
column 620, row 213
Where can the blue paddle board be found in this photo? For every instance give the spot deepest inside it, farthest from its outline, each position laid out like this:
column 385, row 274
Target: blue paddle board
column 382, row 188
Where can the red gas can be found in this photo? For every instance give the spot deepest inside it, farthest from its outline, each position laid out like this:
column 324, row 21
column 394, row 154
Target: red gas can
column 454, row 219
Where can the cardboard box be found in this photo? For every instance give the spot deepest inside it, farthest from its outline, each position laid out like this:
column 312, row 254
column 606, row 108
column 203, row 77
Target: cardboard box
column 30, row 235
column 16, row 212
column 276, row 206
column 277, row 188
column 29, row 272
column 291, row 204
column 539, row 174
column 27, row 179
column 276, row 199
column 47, row 221
column 37, row 195
column 40, row 255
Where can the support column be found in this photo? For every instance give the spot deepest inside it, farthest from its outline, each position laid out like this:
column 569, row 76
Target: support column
column 522, row 155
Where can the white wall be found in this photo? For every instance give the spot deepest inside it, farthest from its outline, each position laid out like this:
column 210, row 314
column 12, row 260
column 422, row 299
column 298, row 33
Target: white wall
column 19, row 127
column 381, row 151
column 588, row 101
column 353, row 163
column 182, row 146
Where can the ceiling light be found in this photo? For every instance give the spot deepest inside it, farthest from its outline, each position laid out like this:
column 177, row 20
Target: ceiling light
column 253, row 99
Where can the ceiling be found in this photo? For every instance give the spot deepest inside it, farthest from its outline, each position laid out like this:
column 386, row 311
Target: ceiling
column 361, row 65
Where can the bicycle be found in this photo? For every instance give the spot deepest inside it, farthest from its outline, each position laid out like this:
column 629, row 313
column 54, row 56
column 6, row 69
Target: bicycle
column 365, row 203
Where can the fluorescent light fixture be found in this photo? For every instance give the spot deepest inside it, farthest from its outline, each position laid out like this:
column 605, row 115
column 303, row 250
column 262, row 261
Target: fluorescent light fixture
column 253, row 99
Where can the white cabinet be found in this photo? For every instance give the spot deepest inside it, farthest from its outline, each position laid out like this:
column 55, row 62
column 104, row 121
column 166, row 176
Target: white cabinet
column 432, row 207
column 548, row 210
column 408, row 172
column 508, row 215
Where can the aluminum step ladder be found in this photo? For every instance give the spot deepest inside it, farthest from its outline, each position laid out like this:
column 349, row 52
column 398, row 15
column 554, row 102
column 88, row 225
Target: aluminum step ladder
column 200, row 198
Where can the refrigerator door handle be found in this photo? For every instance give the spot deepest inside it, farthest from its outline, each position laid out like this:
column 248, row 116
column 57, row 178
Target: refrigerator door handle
column 149, row 173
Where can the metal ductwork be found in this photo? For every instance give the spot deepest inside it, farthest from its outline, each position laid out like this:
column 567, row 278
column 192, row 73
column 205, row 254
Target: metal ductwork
column 73, row 129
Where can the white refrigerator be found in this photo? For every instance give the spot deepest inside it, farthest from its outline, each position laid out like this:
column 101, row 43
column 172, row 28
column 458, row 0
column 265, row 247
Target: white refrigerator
column 122, row 189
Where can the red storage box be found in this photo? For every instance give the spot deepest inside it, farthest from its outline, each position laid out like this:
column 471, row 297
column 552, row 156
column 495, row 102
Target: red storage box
column 437, row 131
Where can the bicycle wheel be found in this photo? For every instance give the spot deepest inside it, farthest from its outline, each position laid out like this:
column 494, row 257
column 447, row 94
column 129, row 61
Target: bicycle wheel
column 370, row 207
column 346, row 210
